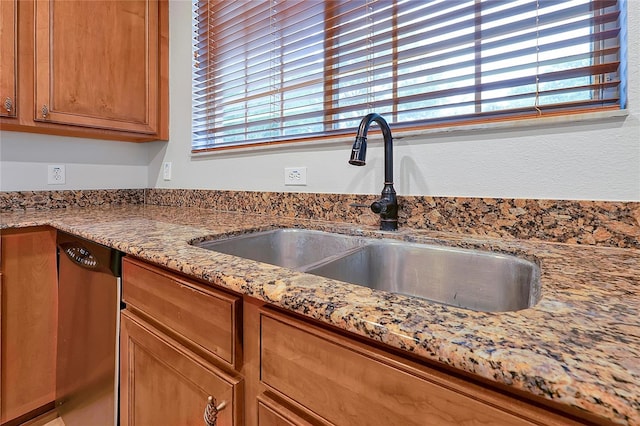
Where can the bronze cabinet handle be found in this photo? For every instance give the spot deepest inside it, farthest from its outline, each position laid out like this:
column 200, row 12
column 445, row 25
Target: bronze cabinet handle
column 211, row 411
column 45, row 111
column 8, row 104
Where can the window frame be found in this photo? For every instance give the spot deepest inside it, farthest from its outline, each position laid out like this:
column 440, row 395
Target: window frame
column 514, row 118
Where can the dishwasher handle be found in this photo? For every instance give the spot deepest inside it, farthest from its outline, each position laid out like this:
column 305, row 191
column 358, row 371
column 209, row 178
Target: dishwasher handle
column 80, row 256
column 92, row 256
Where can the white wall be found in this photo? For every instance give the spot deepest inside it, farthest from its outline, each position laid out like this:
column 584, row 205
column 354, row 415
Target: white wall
column 89, row 164
column 596, row 159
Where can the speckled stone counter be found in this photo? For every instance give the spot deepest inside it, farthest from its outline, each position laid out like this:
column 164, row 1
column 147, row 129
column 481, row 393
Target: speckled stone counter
column 579, row 346
column 600, row 223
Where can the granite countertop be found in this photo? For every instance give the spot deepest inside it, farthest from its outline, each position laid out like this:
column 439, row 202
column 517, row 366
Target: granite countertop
column 579, row 346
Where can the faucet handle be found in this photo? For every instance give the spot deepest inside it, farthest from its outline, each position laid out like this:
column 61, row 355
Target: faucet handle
column 379, row 206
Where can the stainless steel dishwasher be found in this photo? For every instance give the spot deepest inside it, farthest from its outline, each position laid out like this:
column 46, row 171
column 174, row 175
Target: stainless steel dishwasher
column 89, row 291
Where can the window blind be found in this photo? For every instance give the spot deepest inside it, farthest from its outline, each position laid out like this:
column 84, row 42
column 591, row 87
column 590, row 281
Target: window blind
column 268, row 71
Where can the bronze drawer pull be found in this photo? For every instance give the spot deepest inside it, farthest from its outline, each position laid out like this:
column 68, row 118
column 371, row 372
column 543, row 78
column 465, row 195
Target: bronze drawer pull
column 211, row 411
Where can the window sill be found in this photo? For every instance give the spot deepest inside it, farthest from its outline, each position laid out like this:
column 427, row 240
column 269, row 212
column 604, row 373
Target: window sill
column 398, row 134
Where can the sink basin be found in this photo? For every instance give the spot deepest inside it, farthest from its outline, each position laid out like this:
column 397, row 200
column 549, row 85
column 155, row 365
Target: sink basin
column 471, row 279
column 290, row 248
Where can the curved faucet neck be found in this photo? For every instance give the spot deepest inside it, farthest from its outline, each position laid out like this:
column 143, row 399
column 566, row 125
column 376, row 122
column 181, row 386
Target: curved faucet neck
column 388, row 141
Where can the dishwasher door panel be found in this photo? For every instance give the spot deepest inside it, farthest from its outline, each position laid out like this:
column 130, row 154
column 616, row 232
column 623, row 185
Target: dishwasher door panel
column 87, row 364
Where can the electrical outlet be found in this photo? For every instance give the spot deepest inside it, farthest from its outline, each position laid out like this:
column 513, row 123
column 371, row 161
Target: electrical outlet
column 295, row 175
column 166, row 170
column 56, row 175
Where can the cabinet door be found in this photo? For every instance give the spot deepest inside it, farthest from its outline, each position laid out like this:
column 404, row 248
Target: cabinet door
column 163, row 383
column 97, row 63
column 29, row 321
column 8, row 35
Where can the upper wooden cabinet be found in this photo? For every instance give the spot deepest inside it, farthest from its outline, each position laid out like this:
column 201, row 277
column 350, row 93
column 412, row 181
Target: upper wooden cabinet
column 97, row 64
column 94, row 69
column 8, row 58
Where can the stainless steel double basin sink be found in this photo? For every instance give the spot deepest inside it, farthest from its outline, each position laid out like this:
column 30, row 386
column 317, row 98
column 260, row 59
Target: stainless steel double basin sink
column 471, row 279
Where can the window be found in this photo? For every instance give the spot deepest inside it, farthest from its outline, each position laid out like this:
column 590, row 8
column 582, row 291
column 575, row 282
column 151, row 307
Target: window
column 267, row 71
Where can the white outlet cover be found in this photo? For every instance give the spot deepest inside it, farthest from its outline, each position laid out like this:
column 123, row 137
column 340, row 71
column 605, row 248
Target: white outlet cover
column 56, row 175
column 295, row 176
column 166, row 170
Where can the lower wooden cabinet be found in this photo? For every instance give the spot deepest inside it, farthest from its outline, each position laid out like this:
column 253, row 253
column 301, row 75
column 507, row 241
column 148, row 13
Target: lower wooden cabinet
column 164, row 383
column 340, row 381
column 183, row 341
column 28, row 312
column 178, row 346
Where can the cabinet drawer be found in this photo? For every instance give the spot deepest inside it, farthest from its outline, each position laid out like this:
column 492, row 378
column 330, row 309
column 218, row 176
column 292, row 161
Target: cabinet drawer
column 163, row 383
column 272, row 413
column 203, row 316
column 349, row 384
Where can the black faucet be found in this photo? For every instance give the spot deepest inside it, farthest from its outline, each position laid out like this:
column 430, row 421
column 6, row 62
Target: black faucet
column 387, row 206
